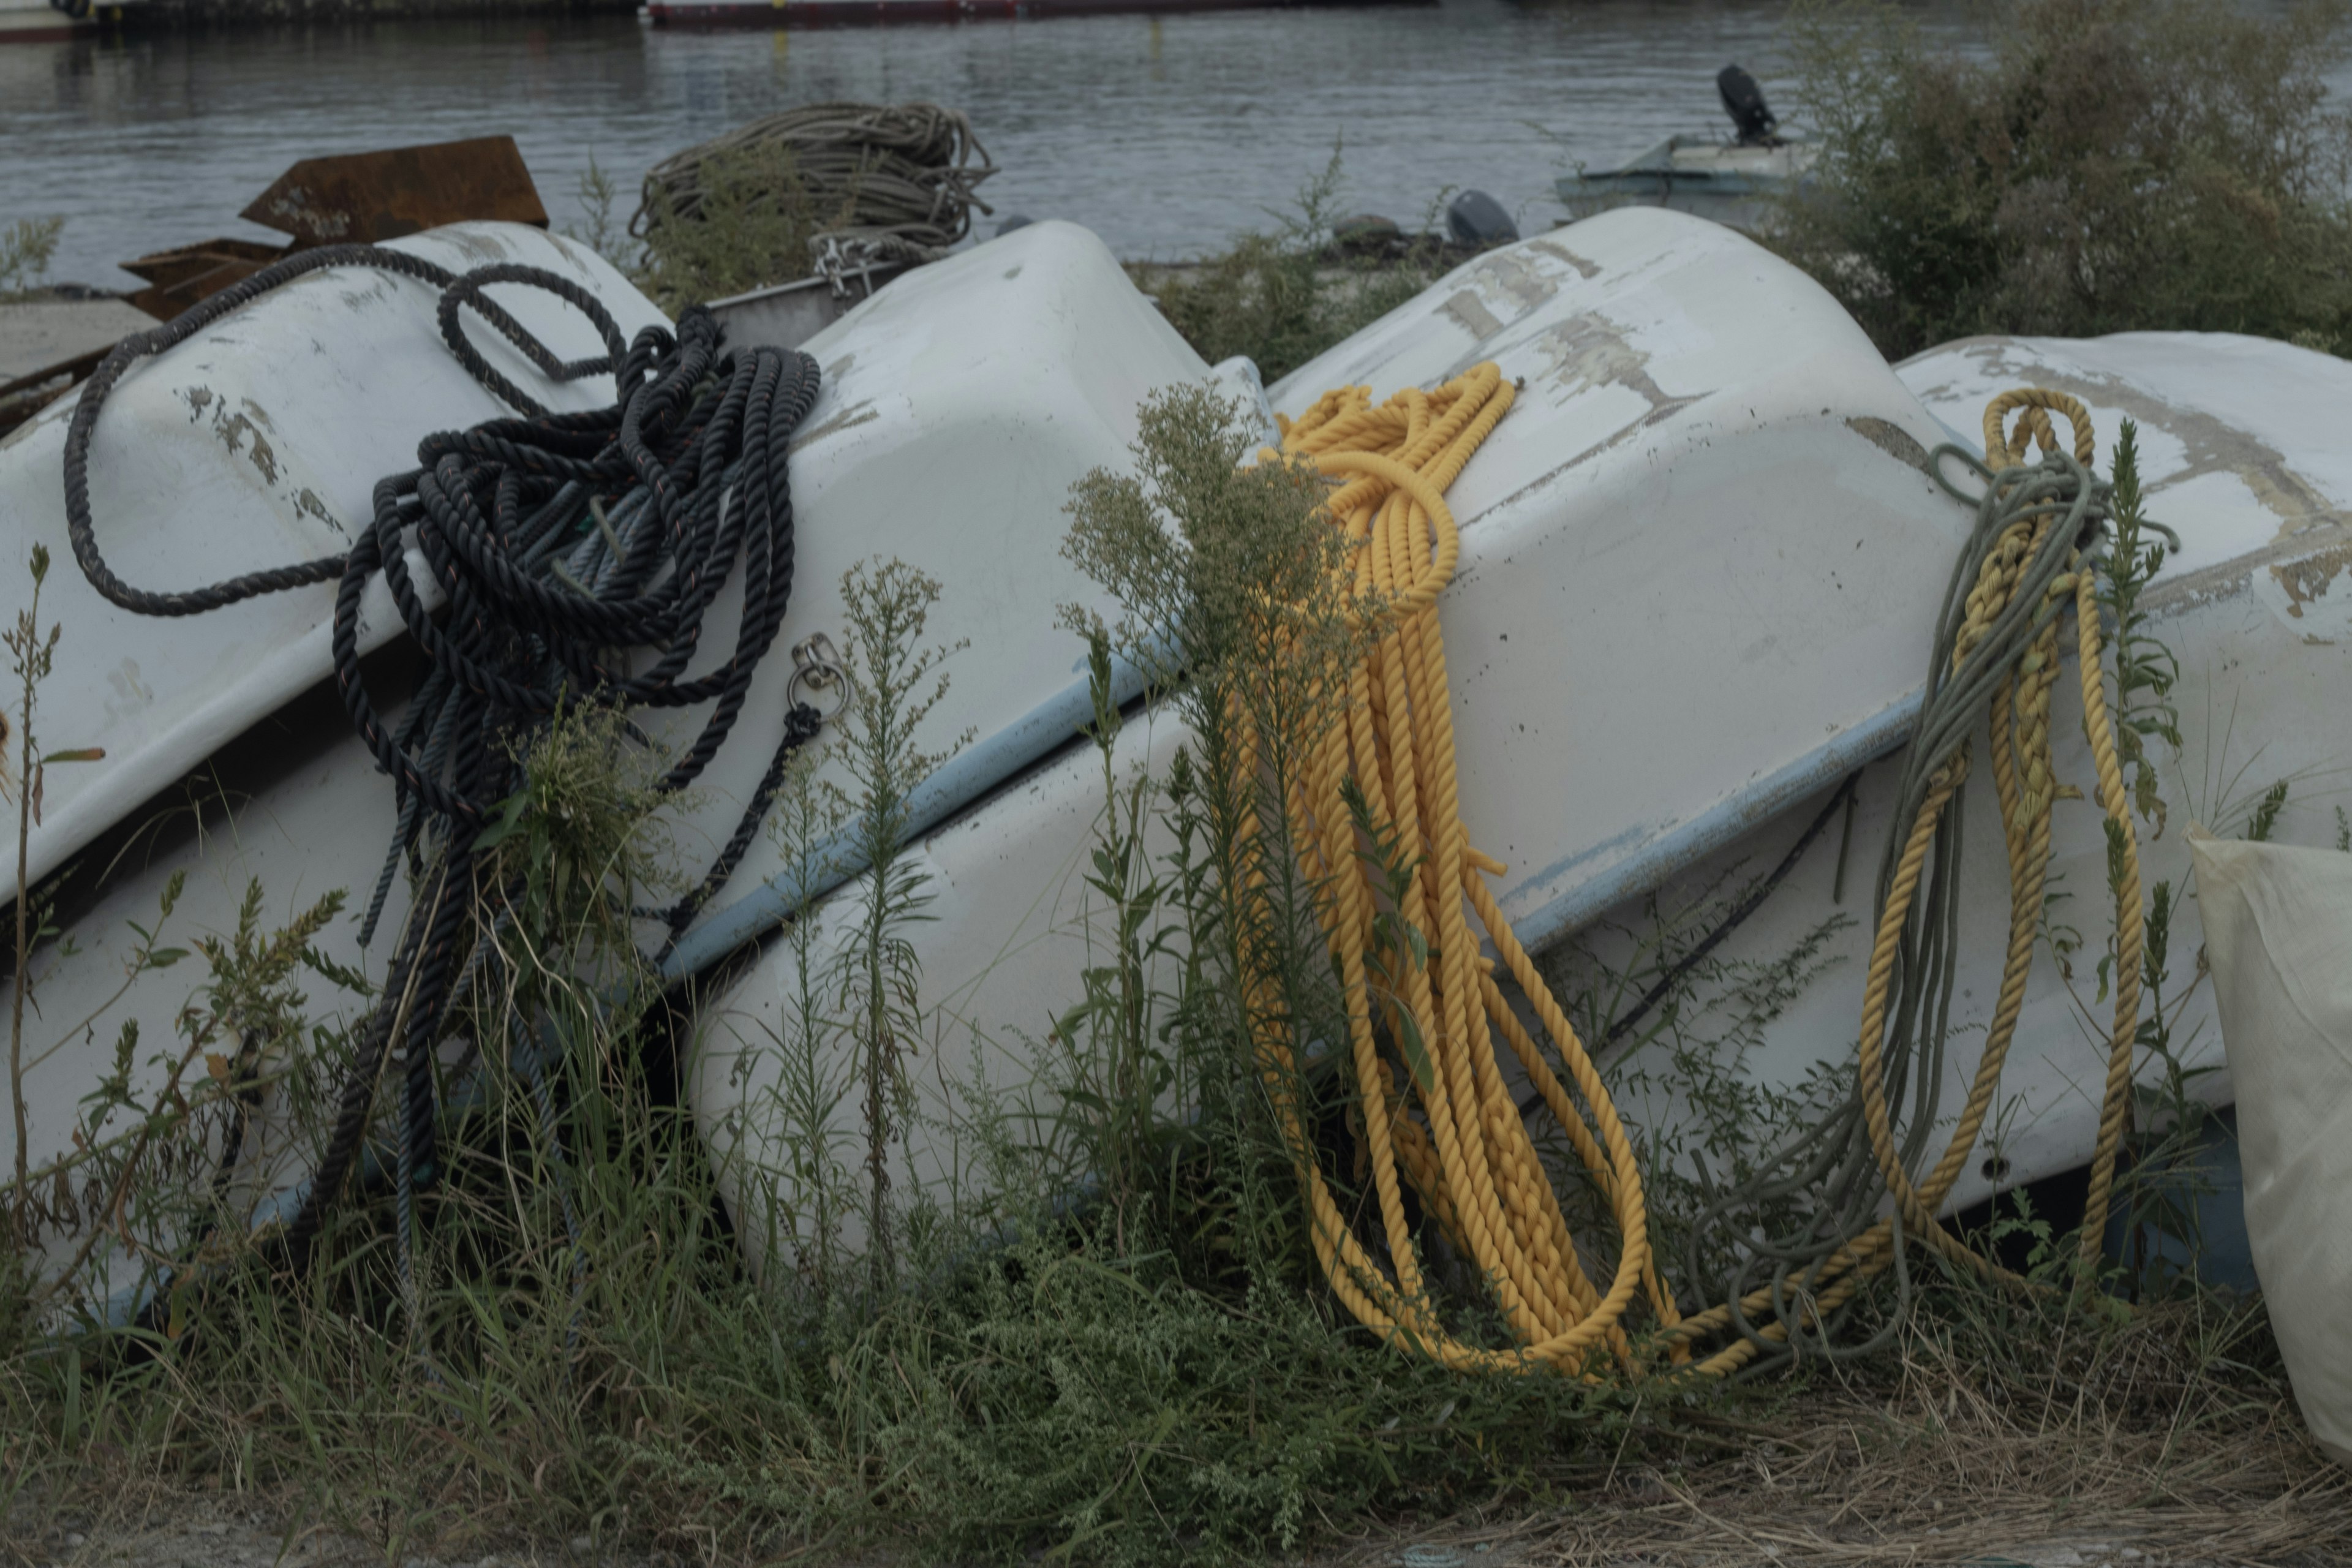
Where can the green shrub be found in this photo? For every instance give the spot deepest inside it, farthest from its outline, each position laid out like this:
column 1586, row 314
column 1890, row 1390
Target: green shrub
column 1282, row 298
column 2117, row 166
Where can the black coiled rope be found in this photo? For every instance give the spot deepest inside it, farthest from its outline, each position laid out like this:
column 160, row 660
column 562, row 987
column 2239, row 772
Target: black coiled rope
column 577, row 557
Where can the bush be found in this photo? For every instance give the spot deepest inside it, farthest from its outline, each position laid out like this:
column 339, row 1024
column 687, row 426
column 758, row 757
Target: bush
column 1284, row 297
column 2117, row 166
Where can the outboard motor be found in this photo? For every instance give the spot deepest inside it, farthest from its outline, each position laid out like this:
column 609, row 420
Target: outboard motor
column 1476, row 219
column 1744, row 102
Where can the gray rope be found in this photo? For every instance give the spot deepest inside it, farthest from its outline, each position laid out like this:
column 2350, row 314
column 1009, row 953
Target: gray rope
column 1829, row 1173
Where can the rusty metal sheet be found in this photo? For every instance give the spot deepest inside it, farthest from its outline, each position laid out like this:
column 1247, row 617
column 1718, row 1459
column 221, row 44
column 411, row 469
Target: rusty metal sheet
column 180, row 277
column 368, row 197
column 26, row 395
column 182, row 262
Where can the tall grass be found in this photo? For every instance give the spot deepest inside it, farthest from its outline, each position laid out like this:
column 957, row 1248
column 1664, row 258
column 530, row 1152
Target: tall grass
column 2117, row 166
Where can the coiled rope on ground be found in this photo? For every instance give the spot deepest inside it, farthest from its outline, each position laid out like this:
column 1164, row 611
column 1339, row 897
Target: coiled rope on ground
column 902, row 177
column 1440, row 1117
column 578, row 557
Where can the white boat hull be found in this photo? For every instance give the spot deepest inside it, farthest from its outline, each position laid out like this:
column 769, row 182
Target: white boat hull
column 942, row 437
column 226, row 759
column 220, row 457
column 1697, row 558
column 1680, row 765
column 2238, row 455
column 1700, row 564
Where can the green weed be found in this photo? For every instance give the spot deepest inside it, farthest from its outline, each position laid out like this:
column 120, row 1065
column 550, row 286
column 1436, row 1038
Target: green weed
column 802, row 1206
column 602, row 233
column 27, row 248
column 895, row 682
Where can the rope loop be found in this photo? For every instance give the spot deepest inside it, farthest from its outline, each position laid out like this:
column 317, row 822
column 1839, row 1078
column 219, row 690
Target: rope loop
column 2033, row 405
column 467, row 291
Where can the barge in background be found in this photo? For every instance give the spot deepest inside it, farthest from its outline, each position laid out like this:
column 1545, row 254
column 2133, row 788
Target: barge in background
column 821, row 13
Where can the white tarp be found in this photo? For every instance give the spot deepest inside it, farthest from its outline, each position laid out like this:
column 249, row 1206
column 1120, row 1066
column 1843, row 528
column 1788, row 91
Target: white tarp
column 2278, row 929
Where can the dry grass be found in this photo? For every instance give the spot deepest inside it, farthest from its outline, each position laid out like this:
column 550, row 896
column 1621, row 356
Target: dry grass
column 2172, row 1435
column 1999, row 1433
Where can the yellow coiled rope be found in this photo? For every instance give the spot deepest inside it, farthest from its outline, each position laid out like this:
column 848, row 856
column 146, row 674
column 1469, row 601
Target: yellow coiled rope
column 1447, row 1124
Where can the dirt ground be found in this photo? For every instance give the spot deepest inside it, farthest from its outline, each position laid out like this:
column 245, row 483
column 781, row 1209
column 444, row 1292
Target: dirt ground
column 1735, row 1514
column 183, row 1530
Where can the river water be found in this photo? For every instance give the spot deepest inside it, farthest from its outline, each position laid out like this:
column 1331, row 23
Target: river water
column 1164, row 134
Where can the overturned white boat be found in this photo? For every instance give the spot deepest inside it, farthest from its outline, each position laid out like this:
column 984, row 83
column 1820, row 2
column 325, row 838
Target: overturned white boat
column 1710, row 478
column 222, row 765
column 1700, row 565
column 226, row 761
column 1697, row 586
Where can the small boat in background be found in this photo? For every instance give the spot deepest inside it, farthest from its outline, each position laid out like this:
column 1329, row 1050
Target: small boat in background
column 51, row 21
column 1733, row 183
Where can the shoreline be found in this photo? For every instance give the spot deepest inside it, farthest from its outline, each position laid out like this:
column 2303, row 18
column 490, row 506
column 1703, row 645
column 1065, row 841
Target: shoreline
column 152, row 16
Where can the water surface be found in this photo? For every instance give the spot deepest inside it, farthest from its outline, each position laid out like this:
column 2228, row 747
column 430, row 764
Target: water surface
column 1163, row 134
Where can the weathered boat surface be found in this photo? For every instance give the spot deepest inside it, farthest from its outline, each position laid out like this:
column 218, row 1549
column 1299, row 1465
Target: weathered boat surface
column 227, row 761
column 224, row 456
column 1706, row 531
column 959, row 407
column 2241, row 452
column 1696, row 561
